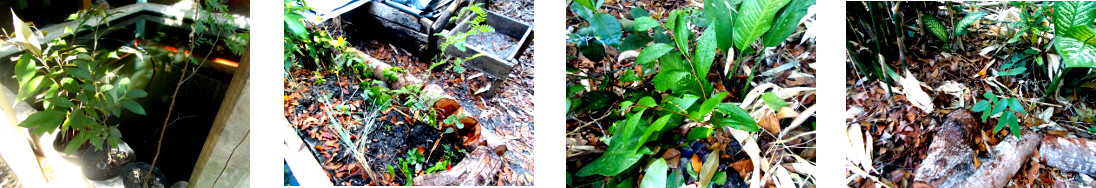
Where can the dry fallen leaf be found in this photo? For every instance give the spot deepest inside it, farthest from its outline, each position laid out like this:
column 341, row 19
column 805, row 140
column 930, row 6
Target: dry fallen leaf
column 770, row 123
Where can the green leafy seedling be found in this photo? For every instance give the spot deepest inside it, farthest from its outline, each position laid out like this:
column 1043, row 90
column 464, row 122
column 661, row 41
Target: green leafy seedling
column 993, row 105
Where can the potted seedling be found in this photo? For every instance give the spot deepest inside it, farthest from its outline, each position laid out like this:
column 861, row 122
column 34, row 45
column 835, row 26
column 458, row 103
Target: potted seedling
column 81, row 89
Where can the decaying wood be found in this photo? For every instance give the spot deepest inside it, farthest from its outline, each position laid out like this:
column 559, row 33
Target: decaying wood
column 478, row 168
column 950, row 161
column 950, row 158
column 1011, row 155
column 1069, row 154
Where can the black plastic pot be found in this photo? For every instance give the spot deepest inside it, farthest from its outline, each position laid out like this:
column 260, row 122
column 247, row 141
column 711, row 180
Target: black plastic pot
column 105, row 164
column 134, row 175
column 62, row 139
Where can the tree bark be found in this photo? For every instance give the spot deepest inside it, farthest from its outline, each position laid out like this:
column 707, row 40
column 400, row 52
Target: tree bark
column 1069, row 154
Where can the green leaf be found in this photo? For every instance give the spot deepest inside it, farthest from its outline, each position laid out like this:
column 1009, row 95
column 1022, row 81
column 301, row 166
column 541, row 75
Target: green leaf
column 593, row 49
column 982, row 105
column 655, row 177
column 754, row 18
column 786, row 22
column 582, row 11
column 114, row 136
column 137, row 93
column 30, row 88
column 680, row 104
column 642, row 24
column 961, row 26
column 624, row 106
column 707, row 170
column 25, row 36
column 1075, row 53
column 606, row 28
column 60, row 101
column 647, row 101
column 935, row 27
column 1016, row 106
column 621, row 153
column 681, row 30
column 25, row 69
column 773, row 101
column 698, row 133
column 989, row 95
column 1002, row 122
column 670, row 80
column 709, row 105
column 1068, row 14
column 985, row 116
column 719, row 12
column 1000, row 106
column 720, row 178
column 736, row 118
column 75, row 143
column 674, row 179
column 637, row 12
column 133, row 106
column 651, row 53
column 1014, row 125
column 705, row 53
column 295, row 25
column 633, row 41
column 43, row 121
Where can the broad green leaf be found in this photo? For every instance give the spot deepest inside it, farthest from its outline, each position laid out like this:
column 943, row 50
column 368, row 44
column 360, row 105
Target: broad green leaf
column 1075, row 53
column 680, row 104
column 935, row 27
column 647, row 101
column 621, row 153
column 30, row 88
column 1016, row 106
column 295, row 25
column 720, row 178
column 624, row 106
column 634, row 41
column 754, row 18
column 961, row 26
column 75, row 143
column 652, row 53
column 681, row 30
column 82, row 74
column 707, row 170
column 1002, row 122
column 133, row 106
column 671, row 80
column 675, row 179
column 25, row 36
column 25, row 68
column 1068, row 14
column 990, row 96
column 736, row 118
column 582, row 11
column 43, row 121
column 60, row 101
column 114, row 136
column 606, row 28
column 719, row 12
column 705, row 53
column 1013, row 125
column 137, row 93
column 985, row 116
column 773, row 101
column 709, row 105
column 655, row 177
column 1000, row 106
column 1084, row 33
column 637, row 12
column 593, row 49
column 982, row 105
column 698, row 133
column 642, row 24
column 786, row 22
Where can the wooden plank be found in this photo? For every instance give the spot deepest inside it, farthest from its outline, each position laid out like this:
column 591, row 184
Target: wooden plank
column 232, row 98
column 392, row 14
column 306, row 169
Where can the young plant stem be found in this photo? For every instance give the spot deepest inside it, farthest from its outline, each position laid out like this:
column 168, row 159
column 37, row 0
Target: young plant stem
column 183, row 77
column 685, row 54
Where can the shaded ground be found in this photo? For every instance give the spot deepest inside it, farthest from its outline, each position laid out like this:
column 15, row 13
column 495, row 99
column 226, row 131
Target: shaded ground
column 901, row 132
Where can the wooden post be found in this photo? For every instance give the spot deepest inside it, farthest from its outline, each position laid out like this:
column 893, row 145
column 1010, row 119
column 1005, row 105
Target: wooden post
column 223, row 126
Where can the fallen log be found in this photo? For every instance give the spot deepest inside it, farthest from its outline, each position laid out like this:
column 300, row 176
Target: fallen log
column 950, row 158
column 1011, row 155
column 950, row 161
column 1069, row 154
